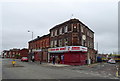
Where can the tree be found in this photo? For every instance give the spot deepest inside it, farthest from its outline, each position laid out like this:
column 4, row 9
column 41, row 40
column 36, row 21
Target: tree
column 17, row 56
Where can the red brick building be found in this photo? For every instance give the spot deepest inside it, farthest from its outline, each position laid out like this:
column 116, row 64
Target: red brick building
column 16, row 53
column 24, row 52
column 12, row 53
column 72, row 42
column 38, row 48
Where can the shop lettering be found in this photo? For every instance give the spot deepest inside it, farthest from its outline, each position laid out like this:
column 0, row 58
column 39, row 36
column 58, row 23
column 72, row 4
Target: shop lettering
column 69, row 48
column 62, row 48
column 52, row 49
column 75, row 48
column 57, row 49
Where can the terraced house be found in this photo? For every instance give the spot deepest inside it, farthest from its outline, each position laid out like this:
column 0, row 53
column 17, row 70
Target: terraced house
column 38, row 48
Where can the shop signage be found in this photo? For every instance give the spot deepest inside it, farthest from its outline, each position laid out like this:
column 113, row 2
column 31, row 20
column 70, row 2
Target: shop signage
column 68, row 48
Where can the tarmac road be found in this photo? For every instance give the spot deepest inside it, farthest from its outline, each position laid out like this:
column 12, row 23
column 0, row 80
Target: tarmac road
column 28, row 70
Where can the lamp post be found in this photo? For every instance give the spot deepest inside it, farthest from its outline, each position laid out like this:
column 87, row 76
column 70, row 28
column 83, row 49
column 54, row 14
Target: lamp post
column 32, row 33
column 31, row 49
column 96, row 49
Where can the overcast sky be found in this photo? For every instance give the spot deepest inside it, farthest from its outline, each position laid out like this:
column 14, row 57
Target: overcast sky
column 39, row 16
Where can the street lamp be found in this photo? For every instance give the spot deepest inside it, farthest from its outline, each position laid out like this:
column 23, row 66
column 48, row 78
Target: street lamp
column 32, row 33
column 96, row 46
column 31, row 50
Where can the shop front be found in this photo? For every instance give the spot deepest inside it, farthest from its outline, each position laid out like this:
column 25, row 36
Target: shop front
column 37, row 54
column 71, row 55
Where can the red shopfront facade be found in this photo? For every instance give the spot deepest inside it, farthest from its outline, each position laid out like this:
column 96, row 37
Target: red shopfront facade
column 71, row 55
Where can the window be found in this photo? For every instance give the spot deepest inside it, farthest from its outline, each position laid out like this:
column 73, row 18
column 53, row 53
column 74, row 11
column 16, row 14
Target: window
column 55, row 43
column 60, row 42
column 88, row 44
column 91, row 34
column 51, row 43
column 55, row 32
column 51, row 33
column 66, row 29
column 66, row 42
column 87, row 33
column 81, row 28
column 74, row 28
column 60, row 31
column 82, row 41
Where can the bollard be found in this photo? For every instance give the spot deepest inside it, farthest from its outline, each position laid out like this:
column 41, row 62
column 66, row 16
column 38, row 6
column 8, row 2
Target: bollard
column 13, row 63
column 117, row 73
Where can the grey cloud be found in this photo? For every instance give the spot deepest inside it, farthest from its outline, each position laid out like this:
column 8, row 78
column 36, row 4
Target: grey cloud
column 17, row 18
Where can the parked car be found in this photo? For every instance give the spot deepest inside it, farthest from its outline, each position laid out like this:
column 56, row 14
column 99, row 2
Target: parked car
column 111, row 61
column 24, row 59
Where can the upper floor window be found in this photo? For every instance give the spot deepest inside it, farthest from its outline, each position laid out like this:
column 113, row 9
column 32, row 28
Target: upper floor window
column 13, row 52
column 81, row 28
column 66, row 29
column 87, row 33
column 74, row 28
column 66, row 42
column 55, row 32
column 60, row 42
column 51, row 33
column 88, row 43
column 55, row 43
column 91, row 34
column 60, row 31
column 51, row 44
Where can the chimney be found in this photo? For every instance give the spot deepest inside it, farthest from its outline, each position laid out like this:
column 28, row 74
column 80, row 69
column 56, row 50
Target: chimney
column 38, row 36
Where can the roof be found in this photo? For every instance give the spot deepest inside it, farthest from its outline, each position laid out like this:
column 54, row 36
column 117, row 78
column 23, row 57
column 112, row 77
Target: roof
column 39, row 38
column 70, row 21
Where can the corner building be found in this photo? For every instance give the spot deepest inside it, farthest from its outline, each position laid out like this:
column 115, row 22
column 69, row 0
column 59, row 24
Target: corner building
column 72, row 42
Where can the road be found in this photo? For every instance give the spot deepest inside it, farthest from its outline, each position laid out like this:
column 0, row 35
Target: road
column 28, row 70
